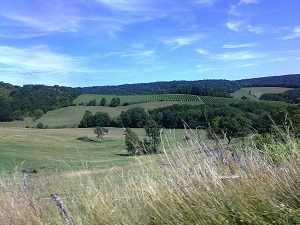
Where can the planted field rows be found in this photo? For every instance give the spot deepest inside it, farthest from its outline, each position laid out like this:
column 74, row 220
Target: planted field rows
column 135, row 99
column 218, row 100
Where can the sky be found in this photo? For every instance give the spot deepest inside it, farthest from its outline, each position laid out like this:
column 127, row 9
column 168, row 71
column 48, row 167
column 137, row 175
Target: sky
column 82, row 43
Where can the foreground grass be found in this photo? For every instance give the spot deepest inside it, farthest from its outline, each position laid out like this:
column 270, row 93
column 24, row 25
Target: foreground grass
column 189, row 184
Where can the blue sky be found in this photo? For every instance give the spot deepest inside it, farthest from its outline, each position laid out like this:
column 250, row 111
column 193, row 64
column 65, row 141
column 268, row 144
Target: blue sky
column 110, row 42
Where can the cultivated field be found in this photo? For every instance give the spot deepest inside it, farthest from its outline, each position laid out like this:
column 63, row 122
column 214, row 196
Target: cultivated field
column 135, row 99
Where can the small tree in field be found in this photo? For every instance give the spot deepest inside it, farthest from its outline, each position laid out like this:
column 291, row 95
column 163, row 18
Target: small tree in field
column 100, row 131
column 103, row 102
column 153, row 132
column 133, row 143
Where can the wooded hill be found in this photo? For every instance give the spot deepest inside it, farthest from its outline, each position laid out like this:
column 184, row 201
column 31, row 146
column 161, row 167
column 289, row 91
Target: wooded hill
column 217, row 88
column 35, row 100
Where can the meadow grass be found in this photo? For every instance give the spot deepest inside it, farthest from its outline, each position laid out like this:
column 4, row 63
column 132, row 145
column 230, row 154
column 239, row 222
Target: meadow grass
column 258, row 91
column 189, row 183
column 46, row 149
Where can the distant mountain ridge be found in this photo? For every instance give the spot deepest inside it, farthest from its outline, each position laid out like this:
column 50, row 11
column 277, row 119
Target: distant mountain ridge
column 289, row 81
column 212, row 87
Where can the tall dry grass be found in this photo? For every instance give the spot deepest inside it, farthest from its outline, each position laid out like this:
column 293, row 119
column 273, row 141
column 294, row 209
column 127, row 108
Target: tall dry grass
column 190, row 184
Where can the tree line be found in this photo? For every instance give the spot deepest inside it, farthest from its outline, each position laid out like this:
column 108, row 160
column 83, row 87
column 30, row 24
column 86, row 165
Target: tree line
column 227, row 121
column 290, row 96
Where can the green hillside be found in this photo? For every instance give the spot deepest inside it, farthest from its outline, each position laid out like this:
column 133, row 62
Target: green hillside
column 254, row 93
column 71, row 116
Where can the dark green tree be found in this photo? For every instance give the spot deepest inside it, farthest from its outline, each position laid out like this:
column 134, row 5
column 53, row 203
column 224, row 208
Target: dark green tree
column 135, row 117
column 103, row 102
column 101, row 119
column 134, row 145
column 230, row 127
column 153, row 132
column 92, row 102
column 115, row 102
column 87, row 120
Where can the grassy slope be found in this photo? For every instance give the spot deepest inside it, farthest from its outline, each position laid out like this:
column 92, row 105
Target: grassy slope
column 71, row 116
column 53, row 149
column 185, row 186
column 256, row 92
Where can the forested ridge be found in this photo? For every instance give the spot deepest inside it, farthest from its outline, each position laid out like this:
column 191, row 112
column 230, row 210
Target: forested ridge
column 288, row 81
column 218, row 88
column 35, row 100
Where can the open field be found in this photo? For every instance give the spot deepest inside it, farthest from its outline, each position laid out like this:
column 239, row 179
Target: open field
column 254, row 93
column 58, row 149
column 189, row 184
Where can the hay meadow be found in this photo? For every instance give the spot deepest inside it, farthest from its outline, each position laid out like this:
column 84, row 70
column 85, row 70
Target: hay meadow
column 189, row 182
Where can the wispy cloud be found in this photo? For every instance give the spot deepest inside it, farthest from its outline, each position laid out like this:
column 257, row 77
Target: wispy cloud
column 246, row 45
column 234, row 8
column 239, row 26
column 202, row 51
column 244, row 55
column 235, row 26
column 38, row 64
column 248, row 2
column 178, row 42
column 295, row 34
column 72, row 16
column 206, row 2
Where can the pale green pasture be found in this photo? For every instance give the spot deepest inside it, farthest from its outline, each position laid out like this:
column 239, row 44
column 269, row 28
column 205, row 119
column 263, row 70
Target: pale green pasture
column 71, row 116
column 58, row 149
column 242, row 92
column 258, row 91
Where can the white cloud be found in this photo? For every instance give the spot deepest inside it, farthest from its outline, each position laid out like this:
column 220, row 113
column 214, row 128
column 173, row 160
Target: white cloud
column 295, row 34
column 73, row 16
column 233, row 8
column 247, row 45
column 206, row 2
column 257, row 30
column 139, row 54
column 238, row 56
column 202, row 51
column 239, row 26
column 235, row 26
column 178, row 42
column 125, row 5
column 38, row 64
column 249, row 1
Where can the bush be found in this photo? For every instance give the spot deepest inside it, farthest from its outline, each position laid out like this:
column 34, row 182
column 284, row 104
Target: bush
column 40, row 126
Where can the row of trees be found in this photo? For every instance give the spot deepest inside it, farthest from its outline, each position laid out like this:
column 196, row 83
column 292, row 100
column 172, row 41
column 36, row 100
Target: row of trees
column 103, row 102
column 233, row 121
column 290, row 96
